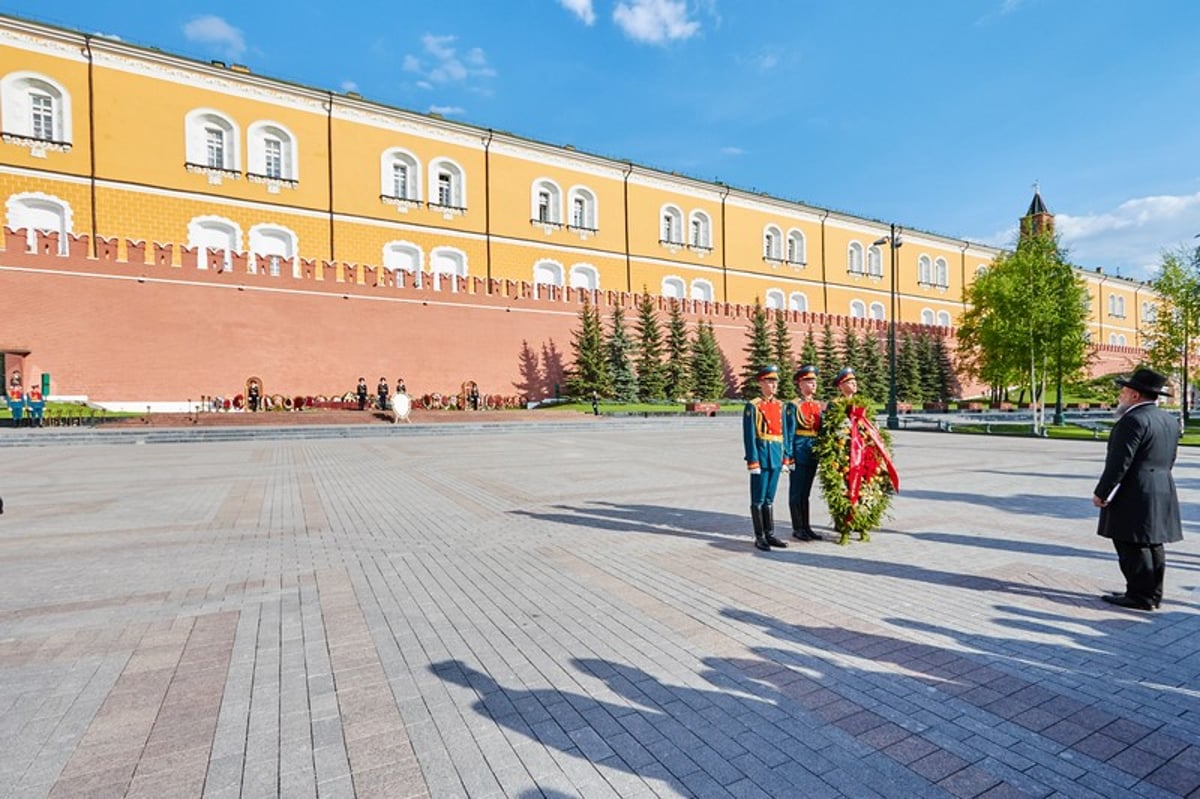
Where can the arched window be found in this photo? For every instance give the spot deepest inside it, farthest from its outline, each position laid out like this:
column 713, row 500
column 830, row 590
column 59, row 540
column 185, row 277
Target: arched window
column 546, row 199
column 941, row 273
column 1116, row 306
column 1116, row 339
column 447, row 262
column 858, row 309
column 924, row 271
column 212, row 144
column 584, row 276
column 36, row 112
column 546, row 273
column 447, row 186
column 797, row 248
column 214, row 233
column 772, row 244
column 1149, row 312
column 673, row 287
column 399, row 175
column 876, row 311
column 700, row 231
column 927, row 316
column 854, row 258
column 276, row 243
column 584, row 213
column 874, row 261
column 672, row 225
column 404, row 256
column 943, row 318
column 797, row 301
column 35, row 212
column 702, row 290
column 774, row 299
column 272, row 155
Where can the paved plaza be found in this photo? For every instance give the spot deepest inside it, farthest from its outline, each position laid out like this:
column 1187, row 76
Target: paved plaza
column 574, row 610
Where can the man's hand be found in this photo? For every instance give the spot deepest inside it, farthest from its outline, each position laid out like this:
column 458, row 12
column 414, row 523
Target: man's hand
column 1099, row 503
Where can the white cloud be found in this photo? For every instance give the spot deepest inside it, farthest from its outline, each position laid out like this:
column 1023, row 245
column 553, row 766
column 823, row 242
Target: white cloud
column 1128, row 239
column 447, row 110
column 580, row 8
column 732, row 151
column 655, row 21
column 216, row 31
column 440, row 63
column 349, row 86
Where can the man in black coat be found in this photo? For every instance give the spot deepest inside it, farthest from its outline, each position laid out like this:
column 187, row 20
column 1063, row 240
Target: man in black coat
column 1139, row 507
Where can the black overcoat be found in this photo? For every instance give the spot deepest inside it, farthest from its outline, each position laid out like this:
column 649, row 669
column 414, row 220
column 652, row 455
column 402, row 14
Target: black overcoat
column 1141, row 454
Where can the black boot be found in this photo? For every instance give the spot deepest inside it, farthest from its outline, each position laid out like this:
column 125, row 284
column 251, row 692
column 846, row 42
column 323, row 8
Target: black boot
column 756, row 516
column 804, row 515
column 768, row 514
column 797, row 521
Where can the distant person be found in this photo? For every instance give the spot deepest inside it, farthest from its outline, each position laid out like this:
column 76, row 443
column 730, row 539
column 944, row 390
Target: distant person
column 474, row 397
column 1136, row 494
column 362, row 392
column 400, row 387
column 16, row 402
column 381, row 391
column 253, row 396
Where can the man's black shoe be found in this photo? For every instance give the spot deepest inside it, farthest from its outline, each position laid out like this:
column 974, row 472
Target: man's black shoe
column 775, row 542
column 1123, row 601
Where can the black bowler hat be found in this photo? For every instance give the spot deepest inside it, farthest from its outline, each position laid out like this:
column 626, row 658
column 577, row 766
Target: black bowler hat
column 1145, row 381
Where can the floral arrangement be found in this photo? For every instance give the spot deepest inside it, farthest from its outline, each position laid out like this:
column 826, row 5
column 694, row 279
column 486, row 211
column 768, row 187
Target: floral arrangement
column 855, row 468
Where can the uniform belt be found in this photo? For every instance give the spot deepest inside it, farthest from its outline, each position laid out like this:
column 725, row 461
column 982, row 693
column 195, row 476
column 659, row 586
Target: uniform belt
column 771, row 438
column 805, row 433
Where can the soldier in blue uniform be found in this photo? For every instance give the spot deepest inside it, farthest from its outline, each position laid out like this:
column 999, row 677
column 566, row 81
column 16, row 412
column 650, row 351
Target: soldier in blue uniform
column 762, row 434
column 801, row 423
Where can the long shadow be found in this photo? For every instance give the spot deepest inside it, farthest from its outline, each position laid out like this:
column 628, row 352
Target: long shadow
column 1020, row 504
column 721, row 530
column 1005, row 544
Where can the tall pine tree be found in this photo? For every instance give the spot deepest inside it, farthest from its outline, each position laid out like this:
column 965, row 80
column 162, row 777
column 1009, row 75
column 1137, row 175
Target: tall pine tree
column 852, row 349
column 677, row 371
column 620, row 359
column 808, row 352
column 590, row 371
column 830, row 361
column 872, row 377
column 758, row 349
column 707, row 369
column 783, row 357
column 652, row 381
column 908, row 371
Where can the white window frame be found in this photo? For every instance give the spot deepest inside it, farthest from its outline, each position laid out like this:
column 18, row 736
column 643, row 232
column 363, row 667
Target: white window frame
column 797, row 247
column 700, row 231
column 25, row 204
column 941, row 273
column 858, row 309
column 547, row 272
column 196, row 126
column 927, row 316
column 553, row 193
column 874, row 261
column 258, row 136
column 388, row 160
column 773, row 300
column 200, row 225
column 674, row 287
column 670, row 220
column 943, row 319
column 17, row 90
column 437, row 273
column 458, row 186
column 924, row 270
column 259, row 238
column 877, row 312
column 398, row 256
column 702, row 290
column 854, row 260
column 584, row 276
column 772, row 243
column 798, row 301
column 591, row 210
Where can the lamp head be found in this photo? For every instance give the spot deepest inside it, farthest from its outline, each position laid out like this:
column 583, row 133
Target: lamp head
column 880, row 240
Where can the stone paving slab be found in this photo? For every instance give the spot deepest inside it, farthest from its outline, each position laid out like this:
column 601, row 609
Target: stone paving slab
column 575, row 611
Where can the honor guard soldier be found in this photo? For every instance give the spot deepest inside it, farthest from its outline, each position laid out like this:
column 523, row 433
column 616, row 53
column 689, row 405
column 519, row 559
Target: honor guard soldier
column 382, row 391
column 16, row 402
column 801, row 424
column 253, row 396
column 762, row 434
column 362, row 392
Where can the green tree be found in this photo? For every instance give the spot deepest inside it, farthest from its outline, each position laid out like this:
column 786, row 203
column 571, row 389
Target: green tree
column 948, row 387
column 651, row 377
column 1026, row 318
column 808, row 351
column 851, row 349
column 908, row 370
column 677, row 372
column 872, row 375
column 758, row 349
column 829, row 362
column 1175, row 321
column 620, row 359
column 783, row 357
column 707, row 369
column 589, row 372
column 931, row 383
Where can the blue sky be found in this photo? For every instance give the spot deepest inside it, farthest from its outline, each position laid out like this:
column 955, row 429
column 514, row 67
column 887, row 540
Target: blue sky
column 935, row 114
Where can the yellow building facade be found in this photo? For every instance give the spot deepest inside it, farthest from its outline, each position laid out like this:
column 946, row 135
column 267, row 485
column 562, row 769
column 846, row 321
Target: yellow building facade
column 108, row 139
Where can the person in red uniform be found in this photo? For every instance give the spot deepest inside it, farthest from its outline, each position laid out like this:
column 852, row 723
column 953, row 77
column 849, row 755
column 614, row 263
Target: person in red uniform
column 762, row 435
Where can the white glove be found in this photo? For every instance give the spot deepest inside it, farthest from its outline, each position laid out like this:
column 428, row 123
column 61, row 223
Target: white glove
column 787, row 467
column 756, row 470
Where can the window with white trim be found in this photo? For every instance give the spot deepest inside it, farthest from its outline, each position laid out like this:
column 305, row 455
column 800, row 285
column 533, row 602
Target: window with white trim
column 797, row 248
column 1149, row 312
column 1116, row 306
column 546, row 273
column 702, row 290
column 214, row 233
column 584, row 216
column 547, row 202
column 673, row 287
column 212, row 144
column 34, row 212
column 36, row 112
column 797, row 301
column 672, row 225
column 943, row 318
column 278, row 244
column 876, row 311
column 772, row 244
column 927, row 316
column 272, row 154
column 924, row 271
column 447, row 262
column 584, row 276
column 941, row 273
column 858, row 309
column 700, row 233
column 854, row 259
column 1116, row 339
column 447, row 185
column 404, row 256
column 874, row 261
column 399, row 177
column 774, row 300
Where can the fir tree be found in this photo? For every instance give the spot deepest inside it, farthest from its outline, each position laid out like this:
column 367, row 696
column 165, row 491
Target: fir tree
column 707, row 370
column 758, row 349
column 931, row 384
column 872, row 377
column 808, row 352
column 650, row 375
column 620, row 359
column 908, row 371
column 677, row 373
column 948, row 387
column 589, row 372
column 852, row 351
column 784, row 358
column 829, row 361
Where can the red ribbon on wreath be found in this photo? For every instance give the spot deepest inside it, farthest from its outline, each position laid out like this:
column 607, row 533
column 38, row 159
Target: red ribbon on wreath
column 867, row 453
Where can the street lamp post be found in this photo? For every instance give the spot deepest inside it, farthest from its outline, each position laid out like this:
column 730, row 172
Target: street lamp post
column 894, row 243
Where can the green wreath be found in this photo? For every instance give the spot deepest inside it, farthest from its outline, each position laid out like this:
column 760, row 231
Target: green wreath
column 833, row 466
